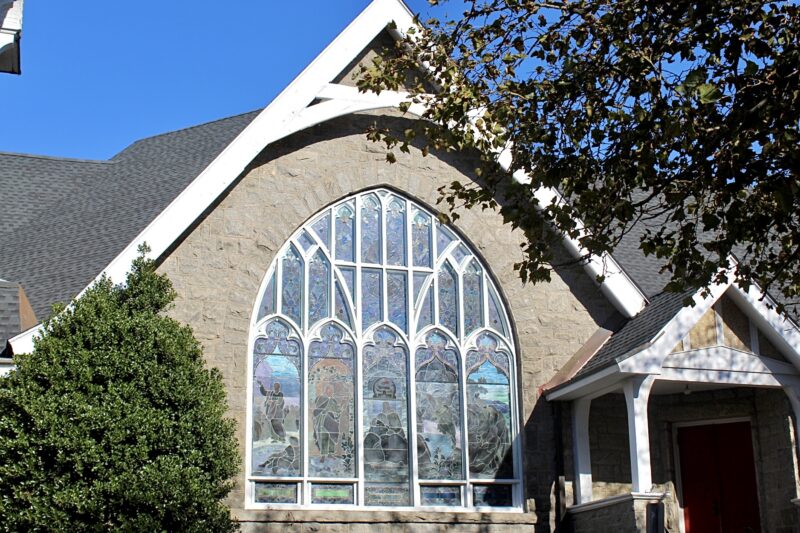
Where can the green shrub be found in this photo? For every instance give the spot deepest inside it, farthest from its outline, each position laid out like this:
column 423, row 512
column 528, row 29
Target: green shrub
column 113, row 422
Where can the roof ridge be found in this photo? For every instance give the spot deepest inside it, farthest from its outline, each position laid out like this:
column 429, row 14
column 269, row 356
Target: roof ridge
column 202, row 124
column 55, row 158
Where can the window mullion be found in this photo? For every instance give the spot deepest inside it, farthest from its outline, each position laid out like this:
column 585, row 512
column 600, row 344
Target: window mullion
column 359, row 353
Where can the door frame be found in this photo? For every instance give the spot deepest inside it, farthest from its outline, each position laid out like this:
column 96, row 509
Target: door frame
column 676, row 457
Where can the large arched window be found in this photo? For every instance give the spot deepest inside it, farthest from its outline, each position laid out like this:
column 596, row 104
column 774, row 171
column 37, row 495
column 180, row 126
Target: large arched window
column 382, row 368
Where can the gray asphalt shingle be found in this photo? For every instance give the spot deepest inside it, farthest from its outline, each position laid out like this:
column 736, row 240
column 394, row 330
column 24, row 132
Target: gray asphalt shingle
column 64, row 220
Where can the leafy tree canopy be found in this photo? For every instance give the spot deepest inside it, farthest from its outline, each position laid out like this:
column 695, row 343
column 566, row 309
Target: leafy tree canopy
column 113, row 422
column 677, row 120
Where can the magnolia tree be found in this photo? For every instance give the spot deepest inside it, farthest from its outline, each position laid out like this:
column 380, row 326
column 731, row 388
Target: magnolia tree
column 679, row 121
column 113, row 422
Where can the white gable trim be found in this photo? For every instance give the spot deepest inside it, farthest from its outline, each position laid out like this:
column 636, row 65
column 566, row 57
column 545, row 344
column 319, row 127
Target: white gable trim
column 288, row 113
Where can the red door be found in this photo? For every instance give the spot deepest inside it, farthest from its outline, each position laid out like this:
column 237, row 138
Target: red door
column 718, row 478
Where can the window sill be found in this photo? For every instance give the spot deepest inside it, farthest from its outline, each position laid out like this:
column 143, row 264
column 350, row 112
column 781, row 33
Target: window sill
column 384, row 517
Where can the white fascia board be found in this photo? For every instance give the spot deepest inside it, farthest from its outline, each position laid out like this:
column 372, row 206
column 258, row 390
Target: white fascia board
column 781, row 332
column 592, row 385
column 724, row 359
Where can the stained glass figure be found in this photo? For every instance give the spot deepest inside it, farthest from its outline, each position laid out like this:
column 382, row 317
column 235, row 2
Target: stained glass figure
column 331, row 367
column 489, row 410
column 421, row 239
column 345, row 233
column 439, row 445
column 292, row 294
column 385, row 419
column 397, row 299
column 371, row 292
column 322, row 227
column 396, row 232
column 448, row 298
column 331, row 441
column 267, row 306
column 318, row 288
column 277, row 401
column 473, row 297
column 370, row 229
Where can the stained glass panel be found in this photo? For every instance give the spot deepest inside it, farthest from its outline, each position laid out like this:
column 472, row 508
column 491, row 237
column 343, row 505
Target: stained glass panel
column 306, row 241
column 318, row 288
column 419, row 281
column 292, row 294
column 267, row 306
column 370, row 229
column 397, row 298
column 426, row 310
column 385, row 419
column 443, row 239
column 276, row 492
column 306, row 446
column 331, row 440
column 349, row 275
column 491, row 496
column 396, row 232
column 440, row 496
column 460, row 253
column 332, row 494
column 277, row 402
column 421, row 239
column 489, row 410
column 322, row 226
column 371, row 292
column 345, row 233
column 387, row 494
column 448, row 298
column 496, row 319
column 439, row 448
column 473, row 298
column 342, row 307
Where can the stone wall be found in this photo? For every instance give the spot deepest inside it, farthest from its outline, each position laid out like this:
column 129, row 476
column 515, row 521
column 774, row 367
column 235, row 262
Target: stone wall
column 218, row 266
column 619, row 515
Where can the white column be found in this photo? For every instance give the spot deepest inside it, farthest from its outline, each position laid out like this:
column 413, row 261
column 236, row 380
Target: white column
column 637, row 392
column 581, row 454
column 793, row 392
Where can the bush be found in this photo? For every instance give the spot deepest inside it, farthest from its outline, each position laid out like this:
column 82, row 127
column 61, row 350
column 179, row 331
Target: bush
column 113, row 422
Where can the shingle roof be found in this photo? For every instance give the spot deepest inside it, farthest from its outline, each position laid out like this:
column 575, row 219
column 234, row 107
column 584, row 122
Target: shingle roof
column 9, row 312
column 64, row 220
column 636, row 332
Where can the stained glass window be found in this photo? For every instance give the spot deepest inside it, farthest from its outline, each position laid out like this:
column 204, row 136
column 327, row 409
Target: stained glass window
column 381, row 367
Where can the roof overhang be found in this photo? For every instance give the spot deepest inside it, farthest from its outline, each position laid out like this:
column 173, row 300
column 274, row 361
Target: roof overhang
column 10, row 33
column 717, row 365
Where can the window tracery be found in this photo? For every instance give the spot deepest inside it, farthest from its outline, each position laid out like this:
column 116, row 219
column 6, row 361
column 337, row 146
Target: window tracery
column 382, row 367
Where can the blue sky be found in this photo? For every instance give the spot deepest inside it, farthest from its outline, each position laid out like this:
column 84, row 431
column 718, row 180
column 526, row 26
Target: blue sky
column 98, row 74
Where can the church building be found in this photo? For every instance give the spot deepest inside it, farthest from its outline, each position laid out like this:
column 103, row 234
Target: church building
column 388, row 370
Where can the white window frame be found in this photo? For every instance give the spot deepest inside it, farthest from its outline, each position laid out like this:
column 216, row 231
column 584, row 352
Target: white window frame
column 462, row 343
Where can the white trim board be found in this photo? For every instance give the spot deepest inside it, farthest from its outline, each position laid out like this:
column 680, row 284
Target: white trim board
column 288, row 113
